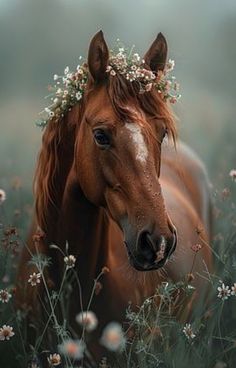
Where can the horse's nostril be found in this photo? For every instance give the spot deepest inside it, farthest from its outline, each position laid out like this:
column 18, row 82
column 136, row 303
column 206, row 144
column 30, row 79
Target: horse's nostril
column 146, row 247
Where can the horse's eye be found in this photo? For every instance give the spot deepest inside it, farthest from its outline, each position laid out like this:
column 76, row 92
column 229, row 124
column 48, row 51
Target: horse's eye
column 101, row 138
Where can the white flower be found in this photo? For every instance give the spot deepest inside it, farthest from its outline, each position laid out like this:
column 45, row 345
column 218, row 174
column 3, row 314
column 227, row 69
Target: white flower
column 108, row 69
column 188, row 331
column 113, row 337
column 5, row 296
column 224, row 292
column 47, row 110
column 112, row 72
column 55, row 77
column 78, row 96
column 6, row 332
column 232, row 174
column 54, row 359
column 170, row 65
column 136, row 58
column 35, row 279
column 72, row 348
column 2, row 196
column 233, row 289
column 70, row 261
column 88, row 320
column 66, row 71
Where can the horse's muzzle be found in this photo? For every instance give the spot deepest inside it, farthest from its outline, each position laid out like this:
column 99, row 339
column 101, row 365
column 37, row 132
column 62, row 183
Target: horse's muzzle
column 151, row 253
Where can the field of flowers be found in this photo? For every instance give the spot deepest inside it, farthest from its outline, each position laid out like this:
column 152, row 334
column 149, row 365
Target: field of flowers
column 154, row 338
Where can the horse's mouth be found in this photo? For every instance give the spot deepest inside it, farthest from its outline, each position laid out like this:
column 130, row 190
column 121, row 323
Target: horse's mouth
column 140, row 264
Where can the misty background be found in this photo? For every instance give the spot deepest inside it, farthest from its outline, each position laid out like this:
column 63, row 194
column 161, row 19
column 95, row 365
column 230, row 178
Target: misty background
column 38, row 38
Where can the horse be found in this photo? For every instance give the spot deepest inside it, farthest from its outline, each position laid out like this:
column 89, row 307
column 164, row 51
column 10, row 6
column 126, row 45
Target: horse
column 114, row 191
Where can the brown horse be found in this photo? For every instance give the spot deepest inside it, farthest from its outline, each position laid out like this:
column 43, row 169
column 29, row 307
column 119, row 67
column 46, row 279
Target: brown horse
column 107, row 185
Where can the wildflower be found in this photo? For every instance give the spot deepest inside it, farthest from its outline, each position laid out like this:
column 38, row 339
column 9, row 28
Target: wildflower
column 88, row 320
column 224, row 292
column 6, row 332
column 105, row 270
column 72, row 348
column 170, row 65
column 232, row 174
column 188, row 331
column 98, row 287
column 54, row 359
column 112, row 72
column 66, row 71
column 196, row 247
column 233, row 289
column 148, row 87
column 2, row 196
column 5, row 296
column 55, row 77
column 35, row 279
column 78, row 96
column 113, row 337
column 70, row 261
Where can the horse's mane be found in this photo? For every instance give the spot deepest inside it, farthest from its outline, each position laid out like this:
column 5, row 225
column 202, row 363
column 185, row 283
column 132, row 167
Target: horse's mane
column 56, row 155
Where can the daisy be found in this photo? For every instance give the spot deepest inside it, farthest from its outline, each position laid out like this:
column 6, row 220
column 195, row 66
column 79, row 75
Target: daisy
column 5, row 296
column 70, row 261
column 72, row 348
column 113, row 337
column 6, row 332
column 188, row 331
column 35, row 279
column 224, row 292
column 2, row 196
column 88, row 320
column 54, row 359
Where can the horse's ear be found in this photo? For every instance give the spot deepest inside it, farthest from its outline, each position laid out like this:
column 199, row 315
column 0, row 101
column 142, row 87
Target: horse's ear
column 156, row 56
column 98, row 56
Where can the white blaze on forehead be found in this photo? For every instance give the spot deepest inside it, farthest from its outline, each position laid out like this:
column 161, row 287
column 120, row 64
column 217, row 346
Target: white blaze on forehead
column 138, row 140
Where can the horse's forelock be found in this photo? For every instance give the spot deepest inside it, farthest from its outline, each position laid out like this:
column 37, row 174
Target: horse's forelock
column 122, row 91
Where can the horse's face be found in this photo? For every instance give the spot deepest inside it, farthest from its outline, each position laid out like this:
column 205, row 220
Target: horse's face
column 119, row 164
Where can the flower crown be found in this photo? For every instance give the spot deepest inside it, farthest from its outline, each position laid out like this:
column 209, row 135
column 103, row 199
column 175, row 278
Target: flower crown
column 69, row 88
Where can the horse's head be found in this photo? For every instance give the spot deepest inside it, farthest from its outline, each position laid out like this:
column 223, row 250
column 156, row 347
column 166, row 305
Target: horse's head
column 118, row 154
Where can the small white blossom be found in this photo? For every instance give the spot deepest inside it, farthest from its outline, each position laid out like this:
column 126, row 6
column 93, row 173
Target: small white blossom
column 224, row 292
column 6, row 332
column 70, row 261
column 34, row 279
column 113, row 337
column 233, row 289
column 88, row 320
column 2, row 196
column 66, row 71
column 4, row 296
column 112, row 72
column 188, row 331
column 72, row 348
column 54, row 359
column 170, row 65
column 232, row 174
column 55, row 77
column 78, row 95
